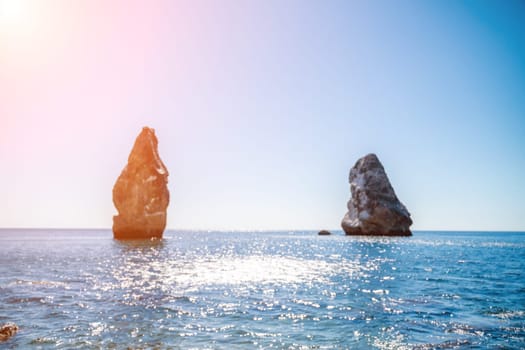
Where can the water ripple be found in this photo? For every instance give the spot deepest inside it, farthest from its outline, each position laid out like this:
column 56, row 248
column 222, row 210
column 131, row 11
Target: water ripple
column 265, row 290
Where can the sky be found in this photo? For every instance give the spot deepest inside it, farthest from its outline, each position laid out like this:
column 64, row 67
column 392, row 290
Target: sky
column 262, row 107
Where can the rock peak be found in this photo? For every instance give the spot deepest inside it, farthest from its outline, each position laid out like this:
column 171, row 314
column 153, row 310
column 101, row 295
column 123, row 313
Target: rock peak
column 141, row 194
column 370, row 161
column 374, row 208
column 144, row 151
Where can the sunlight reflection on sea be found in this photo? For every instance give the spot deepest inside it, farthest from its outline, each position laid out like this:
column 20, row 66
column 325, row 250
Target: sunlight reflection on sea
column 223, row 290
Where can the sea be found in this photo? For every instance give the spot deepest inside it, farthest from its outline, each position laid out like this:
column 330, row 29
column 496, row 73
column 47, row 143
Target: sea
column 81, row 289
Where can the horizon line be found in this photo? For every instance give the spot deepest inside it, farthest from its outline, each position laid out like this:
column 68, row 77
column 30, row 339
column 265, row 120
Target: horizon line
column 247, row 230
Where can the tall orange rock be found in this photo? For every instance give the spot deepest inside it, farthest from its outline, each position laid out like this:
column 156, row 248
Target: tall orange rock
column 141, row 193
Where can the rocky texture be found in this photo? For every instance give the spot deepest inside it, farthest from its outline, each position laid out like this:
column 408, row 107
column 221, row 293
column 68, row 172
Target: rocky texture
column 374, row 208
column 141, row 194
column 324, row 233
column 7, row 331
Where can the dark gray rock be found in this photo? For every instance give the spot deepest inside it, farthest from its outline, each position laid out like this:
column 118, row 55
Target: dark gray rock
column 324, row 233
column 374, row 208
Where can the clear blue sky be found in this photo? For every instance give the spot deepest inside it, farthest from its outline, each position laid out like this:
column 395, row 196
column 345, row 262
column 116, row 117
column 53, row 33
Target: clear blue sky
column 262, row 107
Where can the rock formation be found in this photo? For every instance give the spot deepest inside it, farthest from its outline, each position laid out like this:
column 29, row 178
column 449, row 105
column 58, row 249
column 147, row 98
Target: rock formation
column 324, row 233
column 141, row 194
column 7, row 331
column 374, row 208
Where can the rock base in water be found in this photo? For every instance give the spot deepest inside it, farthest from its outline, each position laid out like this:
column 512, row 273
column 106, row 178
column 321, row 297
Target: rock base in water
column 324, row 233
column 141, row 193
column 374, row 208
column 353, row 231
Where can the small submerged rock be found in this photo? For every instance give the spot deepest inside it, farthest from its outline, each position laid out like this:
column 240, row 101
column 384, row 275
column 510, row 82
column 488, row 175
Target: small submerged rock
column 374, row 208
column 7, row 331
column 324, row 233
column 141, row 193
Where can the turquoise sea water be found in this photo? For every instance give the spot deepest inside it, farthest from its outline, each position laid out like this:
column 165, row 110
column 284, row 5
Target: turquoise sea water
column 81, row 289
